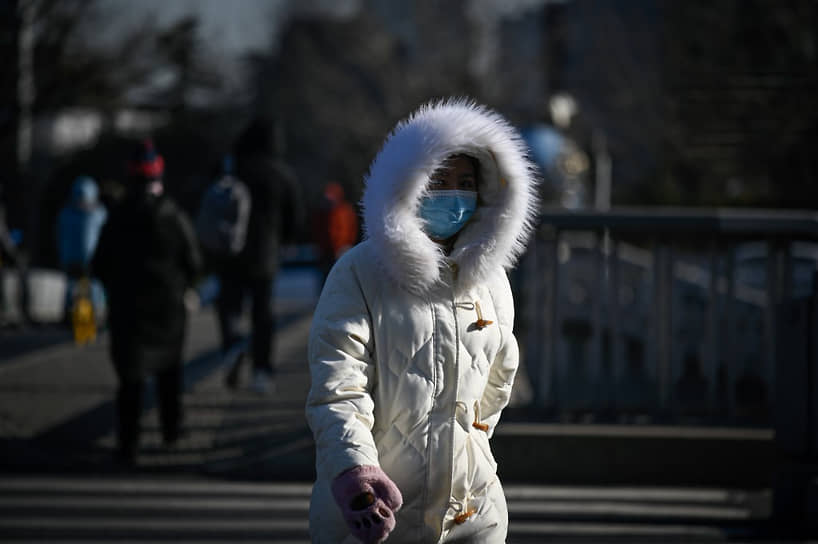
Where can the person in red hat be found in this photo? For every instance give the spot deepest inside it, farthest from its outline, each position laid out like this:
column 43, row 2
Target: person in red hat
column 147, row 257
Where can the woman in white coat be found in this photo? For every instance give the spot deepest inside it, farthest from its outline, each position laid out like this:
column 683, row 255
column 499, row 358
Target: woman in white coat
column 411, row 352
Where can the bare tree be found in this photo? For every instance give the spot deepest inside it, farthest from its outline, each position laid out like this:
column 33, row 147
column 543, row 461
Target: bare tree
column 339, row 85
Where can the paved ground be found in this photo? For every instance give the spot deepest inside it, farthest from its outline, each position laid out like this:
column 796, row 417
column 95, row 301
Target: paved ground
column 57, row 412
column 182, row 510
column 243, row 471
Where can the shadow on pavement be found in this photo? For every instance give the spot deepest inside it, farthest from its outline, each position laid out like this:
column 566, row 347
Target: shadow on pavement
column 230, row 433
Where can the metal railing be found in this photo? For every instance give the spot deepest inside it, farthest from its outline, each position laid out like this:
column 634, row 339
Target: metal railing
column 660, row 314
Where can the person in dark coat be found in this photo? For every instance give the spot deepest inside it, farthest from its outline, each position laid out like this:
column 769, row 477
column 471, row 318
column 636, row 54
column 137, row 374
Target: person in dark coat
column 147, row 257
column 275, row 214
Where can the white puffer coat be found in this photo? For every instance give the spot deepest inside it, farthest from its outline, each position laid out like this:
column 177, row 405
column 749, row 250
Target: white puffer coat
column 405, row 376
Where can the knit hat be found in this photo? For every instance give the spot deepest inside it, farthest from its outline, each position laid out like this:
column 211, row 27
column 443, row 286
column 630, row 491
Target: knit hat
column 145, row 162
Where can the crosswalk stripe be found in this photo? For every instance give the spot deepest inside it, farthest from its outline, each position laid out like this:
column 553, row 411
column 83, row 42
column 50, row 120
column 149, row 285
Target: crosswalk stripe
column 125, row 510
column 226, row 540
column 165, row 504
column 153, row 524
column 75, row 485
column 664, row 532
column 639, row 509
column 512, row 491
column 622, row 493
column 130, row 540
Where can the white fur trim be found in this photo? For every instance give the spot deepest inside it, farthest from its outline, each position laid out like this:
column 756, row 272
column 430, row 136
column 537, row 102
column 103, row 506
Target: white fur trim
column 398, row 177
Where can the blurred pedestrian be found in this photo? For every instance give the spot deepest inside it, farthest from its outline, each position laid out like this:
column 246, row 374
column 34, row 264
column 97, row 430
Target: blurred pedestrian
column 13, row 252
column 147, row 257
column 275, row 214
column 79, row 224
column 411, row 352
column 336, row 227
column 9, row 256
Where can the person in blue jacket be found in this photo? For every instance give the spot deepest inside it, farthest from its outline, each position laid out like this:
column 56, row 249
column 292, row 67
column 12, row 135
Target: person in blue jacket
column 78, row 227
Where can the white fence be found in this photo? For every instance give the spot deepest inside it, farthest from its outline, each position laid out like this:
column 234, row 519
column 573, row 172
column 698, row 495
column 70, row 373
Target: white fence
column 660, row 314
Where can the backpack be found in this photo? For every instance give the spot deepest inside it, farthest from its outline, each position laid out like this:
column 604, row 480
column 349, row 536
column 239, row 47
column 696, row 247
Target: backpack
column 221, row 224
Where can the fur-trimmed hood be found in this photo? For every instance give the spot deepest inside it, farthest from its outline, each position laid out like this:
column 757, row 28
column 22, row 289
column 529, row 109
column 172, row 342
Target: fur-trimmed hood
column 398, row 178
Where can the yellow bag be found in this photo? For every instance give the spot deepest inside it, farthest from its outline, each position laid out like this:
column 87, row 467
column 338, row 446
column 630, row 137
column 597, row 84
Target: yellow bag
column 82, row 315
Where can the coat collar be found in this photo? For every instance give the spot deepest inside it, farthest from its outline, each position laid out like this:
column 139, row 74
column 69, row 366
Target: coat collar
column 398, row 177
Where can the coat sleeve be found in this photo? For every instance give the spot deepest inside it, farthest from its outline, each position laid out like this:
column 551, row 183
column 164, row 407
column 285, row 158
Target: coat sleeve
column 191, row 256
column 101, row 261
column 62, row 239
column 339, row 405
column 504, row 367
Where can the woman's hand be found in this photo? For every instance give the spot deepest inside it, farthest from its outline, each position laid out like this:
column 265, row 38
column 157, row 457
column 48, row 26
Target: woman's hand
column 368, row 500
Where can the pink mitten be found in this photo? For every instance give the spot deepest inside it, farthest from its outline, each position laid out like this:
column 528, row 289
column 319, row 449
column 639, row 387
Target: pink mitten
column 368, row 500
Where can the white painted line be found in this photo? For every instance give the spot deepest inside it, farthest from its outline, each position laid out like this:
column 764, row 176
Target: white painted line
column 643, row 510
column 634, row 431
column 107, row 523
column 613, row 530
column 696, row 495
column 157, row 541
column 161, row 487
column 74, row 502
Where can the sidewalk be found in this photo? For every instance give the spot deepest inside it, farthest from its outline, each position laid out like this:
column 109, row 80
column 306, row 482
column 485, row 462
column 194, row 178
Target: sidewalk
column 57, row 420
column 57, row 409
column 57, row 414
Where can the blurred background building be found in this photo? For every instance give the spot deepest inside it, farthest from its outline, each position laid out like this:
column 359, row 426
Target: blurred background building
column 680, row 103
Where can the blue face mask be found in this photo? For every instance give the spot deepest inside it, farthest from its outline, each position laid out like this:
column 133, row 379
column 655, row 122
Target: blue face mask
column 445, row 212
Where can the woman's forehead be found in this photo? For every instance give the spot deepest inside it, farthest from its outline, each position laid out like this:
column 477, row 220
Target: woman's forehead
column 460, row 161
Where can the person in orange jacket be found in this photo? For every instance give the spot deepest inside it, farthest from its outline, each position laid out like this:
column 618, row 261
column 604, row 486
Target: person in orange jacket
column 336, row 227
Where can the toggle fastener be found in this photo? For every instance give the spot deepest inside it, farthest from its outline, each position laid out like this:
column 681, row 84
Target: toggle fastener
column 476, row 423
column 460, row 519
column 481, row 323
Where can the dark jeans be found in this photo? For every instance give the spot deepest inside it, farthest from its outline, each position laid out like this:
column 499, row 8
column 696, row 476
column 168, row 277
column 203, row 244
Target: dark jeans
column 230, row 304
column 129, row 407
